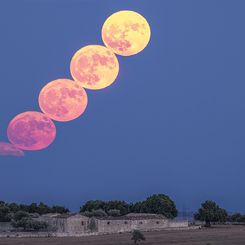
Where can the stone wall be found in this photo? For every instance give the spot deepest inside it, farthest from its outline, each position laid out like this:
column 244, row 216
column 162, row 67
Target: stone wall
column 116, row 226
column 5, row 227
column 79, row 225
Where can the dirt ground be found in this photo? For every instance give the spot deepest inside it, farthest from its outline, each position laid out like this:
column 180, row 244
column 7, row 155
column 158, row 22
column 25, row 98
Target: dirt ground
column 222, row 235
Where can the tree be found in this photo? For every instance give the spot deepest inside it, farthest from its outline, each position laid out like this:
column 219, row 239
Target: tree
column 236, row 217
column 20, row 215
column 211, row 212
column 137, row 236
column 59, row 210
column 157, row 204
column 33, row 208
column 13, row 207
column 136, row 207
column 92, row 205
column 122, row 206
column 5, row 215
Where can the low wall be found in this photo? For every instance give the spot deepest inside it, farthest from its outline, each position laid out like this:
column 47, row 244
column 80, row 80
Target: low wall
column 5, row 226
column 117, row 226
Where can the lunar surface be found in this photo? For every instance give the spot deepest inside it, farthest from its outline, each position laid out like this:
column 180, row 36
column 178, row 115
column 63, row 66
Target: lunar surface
column 31, row 131
column 94, row 66
column 126, row 33
column 7, row 149
column 63, row 100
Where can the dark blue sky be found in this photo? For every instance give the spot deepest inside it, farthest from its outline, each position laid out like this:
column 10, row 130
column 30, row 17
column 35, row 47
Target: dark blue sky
column 174, row 121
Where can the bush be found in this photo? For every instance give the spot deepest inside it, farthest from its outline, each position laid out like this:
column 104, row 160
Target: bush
column 95, row 213
column 114, row 212
column 29, row 224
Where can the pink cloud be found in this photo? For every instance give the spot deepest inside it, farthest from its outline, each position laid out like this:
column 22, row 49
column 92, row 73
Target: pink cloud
column 7, row 149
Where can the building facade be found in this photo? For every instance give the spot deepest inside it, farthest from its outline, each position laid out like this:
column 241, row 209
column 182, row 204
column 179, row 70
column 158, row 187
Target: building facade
column 81, row 225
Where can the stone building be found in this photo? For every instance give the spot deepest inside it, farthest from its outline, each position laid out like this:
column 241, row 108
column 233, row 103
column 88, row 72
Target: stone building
column 143, row 222
column 67, row 223
column 78, row 225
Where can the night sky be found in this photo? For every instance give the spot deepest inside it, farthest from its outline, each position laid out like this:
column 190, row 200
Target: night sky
column 173, row 122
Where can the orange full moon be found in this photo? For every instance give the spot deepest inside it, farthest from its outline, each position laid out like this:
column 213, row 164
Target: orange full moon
column 94, row 66
column 126, row 33
column 31, row 131
column 63, row 100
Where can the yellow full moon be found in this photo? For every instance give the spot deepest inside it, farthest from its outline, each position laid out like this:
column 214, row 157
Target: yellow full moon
column 94, row 66
column 126, row 33
column 63, row 100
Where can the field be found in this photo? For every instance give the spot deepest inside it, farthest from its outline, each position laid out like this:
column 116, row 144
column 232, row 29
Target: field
column 223, row 235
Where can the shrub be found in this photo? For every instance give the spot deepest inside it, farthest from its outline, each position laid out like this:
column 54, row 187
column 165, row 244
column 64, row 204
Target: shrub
column 20, row 215
column 137, row 236
column 95, row 213
column 114, row 212
column 29, row 224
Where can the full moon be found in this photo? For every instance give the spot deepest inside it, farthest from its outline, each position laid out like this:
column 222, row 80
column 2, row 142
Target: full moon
column 63, row 100
column 31, row 131
column 126, row 33
column 94, row 66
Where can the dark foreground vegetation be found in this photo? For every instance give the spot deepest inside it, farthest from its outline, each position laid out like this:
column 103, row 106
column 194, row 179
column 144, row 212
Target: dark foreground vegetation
column 25, row 216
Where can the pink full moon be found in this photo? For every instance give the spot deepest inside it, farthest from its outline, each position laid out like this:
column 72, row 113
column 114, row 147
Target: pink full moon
column 31, row 131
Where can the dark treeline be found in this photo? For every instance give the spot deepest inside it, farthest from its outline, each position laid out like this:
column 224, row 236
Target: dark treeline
column 237, row 217
column 209, row 211
column 212, row 212
column 8, row 209
column 155, row 204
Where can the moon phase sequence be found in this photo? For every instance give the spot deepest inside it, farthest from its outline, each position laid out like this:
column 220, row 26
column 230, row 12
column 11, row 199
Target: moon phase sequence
column 126, row 33
column 31, row 131
column 95, row 67
column 63, row 100
column 92, row 67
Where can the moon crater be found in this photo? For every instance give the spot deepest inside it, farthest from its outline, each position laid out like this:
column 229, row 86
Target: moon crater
column 126, row 33
column 63, row 100
column 95, row 67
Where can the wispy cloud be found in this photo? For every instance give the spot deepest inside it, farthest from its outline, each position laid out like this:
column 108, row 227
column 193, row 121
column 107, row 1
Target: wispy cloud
column 7, row 149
